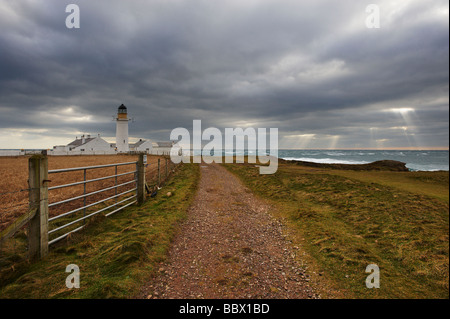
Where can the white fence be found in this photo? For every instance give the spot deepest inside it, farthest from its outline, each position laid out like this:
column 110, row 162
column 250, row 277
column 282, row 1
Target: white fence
column 18, row 152
column 155, row 151
column 65, row 153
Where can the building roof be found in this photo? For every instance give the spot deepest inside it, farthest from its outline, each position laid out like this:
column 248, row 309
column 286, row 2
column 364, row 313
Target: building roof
column 164, row 144
column 122, row 107
column 79, row 142
column 139, row 143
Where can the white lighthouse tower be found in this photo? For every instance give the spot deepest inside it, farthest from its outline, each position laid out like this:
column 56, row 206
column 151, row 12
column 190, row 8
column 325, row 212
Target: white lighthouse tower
column 122, row 130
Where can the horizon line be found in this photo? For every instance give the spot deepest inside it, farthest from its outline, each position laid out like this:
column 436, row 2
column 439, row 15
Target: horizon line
column 431, row 148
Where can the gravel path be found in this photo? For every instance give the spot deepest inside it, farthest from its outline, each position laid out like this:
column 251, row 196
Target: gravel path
column 229, row 246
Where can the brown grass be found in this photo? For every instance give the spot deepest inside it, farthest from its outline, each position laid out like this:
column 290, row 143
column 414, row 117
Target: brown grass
column 14, row 181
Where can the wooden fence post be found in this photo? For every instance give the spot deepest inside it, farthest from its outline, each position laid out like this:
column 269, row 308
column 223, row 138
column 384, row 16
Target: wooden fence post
column 166, row 168
column 141, row 179
column 159, row 172
column 38, row 226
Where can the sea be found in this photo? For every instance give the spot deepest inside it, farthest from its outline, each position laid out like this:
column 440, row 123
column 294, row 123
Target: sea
column 415, row 160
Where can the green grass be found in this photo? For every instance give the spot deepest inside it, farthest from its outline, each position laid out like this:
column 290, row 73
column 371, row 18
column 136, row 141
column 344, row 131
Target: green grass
column 433, row 184
column 346, row 220
column 115, row 254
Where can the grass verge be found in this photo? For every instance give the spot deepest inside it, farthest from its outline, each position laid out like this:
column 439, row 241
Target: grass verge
column 348, row 220
column 115, row 254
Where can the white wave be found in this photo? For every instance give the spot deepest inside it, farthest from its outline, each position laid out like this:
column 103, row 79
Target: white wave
column 335, row 154
column 427, row 167
column 364, row 154
column 323, row 160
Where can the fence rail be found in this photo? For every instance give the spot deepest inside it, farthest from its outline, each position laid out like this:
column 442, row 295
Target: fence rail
column 85, row 195
column 91, row 180
column 88, row 167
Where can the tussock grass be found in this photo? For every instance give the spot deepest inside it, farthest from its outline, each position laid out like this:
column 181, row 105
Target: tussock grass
column 116, row 254
column 347, row 220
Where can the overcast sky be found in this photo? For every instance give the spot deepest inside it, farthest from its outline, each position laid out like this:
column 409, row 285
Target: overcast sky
column 312, row 69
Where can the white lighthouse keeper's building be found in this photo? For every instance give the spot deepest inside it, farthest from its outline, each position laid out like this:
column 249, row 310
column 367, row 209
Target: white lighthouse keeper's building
column 88, row 145
column 122, row 130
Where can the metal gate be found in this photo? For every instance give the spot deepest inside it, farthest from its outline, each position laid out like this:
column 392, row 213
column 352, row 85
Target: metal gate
column 87, row 208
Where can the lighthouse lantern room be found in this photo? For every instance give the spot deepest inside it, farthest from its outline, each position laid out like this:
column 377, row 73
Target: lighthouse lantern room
column 122, row 129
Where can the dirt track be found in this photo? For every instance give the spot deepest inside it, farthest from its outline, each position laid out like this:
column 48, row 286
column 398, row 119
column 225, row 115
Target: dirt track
column 229, row 247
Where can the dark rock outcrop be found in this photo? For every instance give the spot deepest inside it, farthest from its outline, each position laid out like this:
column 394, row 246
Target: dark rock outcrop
column 384, row 165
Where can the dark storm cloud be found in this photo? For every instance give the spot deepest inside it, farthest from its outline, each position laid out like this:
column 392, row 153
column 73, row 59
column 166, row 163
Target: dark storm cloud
column 304, row 67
